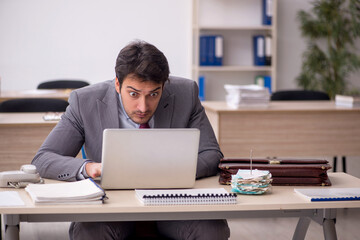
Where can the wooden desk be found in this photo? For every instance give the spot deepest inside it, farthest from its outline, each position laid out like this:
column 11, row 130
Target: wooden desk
column 122, row 205
column 286, row 129
column 21, row 137
column 37, row 93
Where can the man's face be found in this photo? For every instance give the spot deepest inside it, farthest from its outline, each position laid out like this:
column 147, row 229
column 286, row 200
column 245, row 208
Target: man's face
column 140, row 99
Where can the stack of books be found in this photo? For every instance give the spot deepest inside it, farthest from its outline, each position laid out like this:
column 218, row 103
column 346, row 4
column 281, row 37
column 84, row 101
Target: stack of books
column 247, row 95
column 267, row 12
column 211, row 50
column 262, row 50
column 264, row 81
column 347, row 101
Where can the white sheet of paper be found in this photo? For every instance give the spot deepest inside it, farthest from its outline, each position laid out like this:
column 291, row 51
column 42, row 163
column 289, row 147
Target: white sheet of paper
column 10, row 198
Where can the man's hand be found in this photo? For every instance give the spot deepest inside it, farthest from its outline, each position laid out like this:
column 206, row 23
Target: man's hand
column 93, row 169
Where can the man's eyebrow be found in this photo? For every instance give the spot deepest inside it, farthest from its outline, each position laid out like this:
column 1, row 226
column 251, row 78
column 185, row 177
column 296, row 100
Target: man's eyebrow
column 133, row 88
column 156, row 89
column 140, row 90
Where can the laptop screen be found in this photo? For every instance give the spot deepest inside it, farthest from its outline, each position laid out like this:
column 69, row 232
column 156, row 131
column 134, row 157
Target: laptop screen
column 149, row 158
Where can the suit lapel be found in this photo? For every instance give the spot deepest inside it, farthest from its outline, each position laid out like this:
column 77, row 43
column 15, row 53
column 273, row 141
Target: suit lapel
column 164, row 111
column 108, row 108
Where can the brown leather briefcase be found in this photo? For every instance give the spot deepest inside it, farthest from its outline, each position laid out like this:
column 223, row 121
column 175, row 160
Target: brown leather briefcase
column 295, row 172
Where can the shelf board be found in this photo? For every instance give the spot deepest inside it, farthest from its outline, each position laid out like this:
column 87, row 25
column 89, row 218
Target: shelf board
column 233, row 68
column 233, row 28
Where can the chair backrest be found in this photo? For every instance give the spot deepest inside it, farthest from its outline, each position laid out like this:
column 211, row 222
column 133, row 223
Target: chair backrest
column 62, row 84
column 299, row 95
column 34, row 105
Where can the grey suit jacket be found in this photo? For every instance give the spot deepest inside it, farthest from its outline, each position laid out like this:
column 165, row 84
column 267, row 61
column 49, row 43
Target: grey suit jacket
column 94, row 108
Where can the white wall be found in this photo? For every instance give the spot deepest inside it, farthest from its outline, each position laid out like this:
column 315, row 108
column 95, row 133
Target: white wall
column 291, row 44
column 41, row 39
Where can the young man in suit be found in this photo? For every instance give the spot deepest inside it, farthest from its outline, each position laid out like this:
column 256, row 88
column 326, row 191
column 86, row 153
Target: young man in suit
column 142, row 95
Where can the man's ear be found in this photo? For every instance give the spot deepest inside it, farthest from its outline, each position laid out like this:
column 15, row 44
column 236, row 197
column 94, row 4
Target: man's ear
column 117, row 85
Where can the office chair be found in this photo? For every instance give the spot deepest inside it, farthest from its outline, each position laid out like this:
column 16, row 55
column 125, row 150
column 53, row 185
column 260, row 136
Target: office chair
column 34, row 105
column 301, row 95
column 62, row 84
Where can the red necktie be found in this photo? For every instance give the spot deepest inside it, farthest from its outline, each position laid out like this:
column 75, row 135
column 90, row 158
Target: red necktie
column 144, row 125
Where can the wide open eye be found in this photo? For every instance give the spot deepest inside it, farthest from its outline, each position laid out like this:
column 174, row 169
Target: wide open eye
column 133, row 94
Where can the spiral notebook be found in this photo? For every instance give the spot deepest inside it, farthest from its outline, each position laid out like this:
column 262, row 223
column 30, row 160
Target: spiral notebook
column 198, row 196
column 329, row 194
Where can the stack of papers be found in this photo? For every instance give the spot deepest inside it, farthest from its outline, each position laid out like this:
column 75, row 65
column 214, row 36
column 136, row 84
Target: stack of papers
column 251, row 182
column 347, row 101
column 247, row 95
column 80, row 192
column 52, row 116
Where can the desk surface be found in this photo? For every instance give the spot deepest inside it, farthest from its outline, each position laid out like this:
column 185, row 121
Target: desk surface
column 18, row 119
column 124, row 201
column 281, row 106
column 36, row 93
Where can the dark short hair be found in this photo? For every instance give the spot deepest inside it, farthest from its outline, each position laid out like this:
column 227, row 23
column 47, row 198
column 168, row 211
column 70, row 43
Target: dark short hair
column 142, row 60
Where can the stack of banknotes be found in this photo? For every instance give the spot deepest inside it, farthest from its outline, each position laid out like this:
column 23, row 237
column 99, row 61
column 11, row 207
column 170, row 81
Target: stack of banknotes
column 251, row 182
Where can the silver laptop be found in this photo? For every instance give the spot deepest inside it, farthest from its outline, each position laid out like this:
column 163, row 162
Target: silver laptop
column 149, row 158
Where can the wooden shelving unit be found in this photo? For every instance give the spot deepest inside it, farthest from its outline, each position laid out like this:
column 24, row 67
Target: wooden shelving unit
column 237, row 21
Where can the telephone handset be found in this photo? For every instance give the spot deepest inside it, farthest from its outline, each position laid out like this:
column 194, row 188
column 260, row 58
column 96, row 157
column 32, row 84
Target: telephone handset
column 17, row 179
